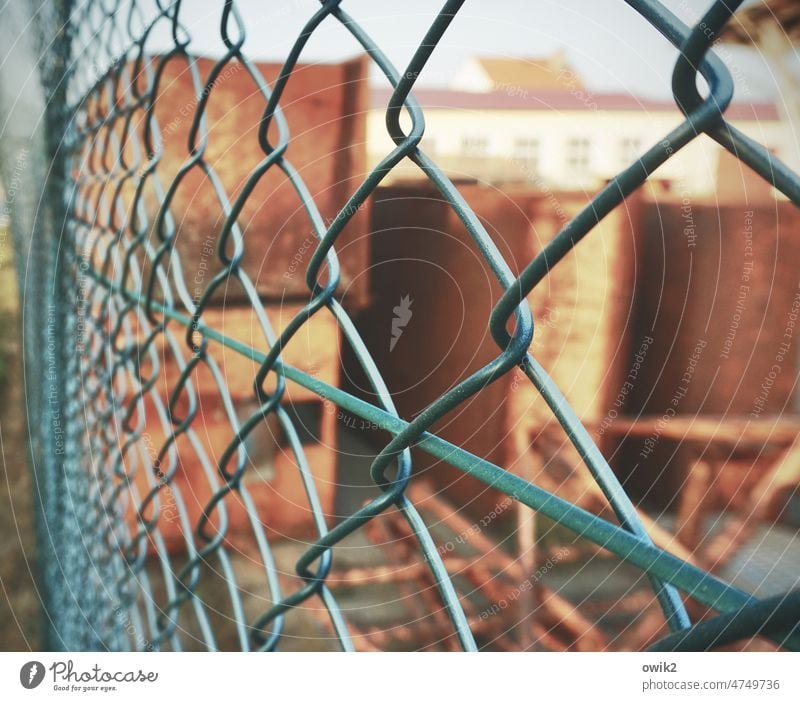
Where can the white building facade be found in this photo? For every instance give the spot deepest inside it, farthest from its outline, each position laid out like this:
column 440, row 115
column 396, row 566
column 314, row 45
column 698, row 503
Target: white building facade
column 566, row 139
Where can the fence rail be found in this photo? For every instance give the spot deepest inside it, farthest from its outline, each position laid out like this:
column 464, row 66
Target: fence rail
column 122, row 310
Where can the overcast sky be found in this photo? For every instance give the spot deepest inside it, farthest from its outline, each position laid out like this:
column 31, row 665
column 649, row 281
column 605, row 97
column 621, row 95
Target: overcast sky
column 610, row 45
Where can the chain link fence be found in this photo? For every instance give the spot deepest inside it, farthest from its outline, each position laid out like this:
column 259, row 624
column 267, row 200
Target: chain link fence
column 108, row 430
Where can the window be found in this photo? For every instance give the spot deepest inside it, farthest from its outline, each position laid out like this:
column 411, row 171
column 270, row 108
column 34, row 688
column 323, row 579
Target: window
column 630, row 149
column 527, row 150
column 578, row 152
column 474, row 146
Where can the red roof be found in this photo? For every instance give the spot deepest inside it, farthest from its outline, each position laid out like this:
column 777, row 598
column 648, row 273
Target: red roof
column 561, row 100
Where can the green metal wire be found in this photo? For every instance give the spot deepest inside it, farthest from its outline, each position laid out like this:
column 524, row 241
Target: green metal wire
column 123, row 291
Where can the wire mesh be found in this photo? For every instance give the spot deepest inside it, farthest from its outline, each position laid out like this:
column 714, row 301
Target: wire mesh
column 124, row 311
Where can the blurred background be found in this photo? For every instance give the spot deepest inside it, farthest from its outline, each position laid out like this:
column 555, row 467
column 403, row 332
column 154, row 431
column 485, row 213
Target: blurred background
column 671, row 329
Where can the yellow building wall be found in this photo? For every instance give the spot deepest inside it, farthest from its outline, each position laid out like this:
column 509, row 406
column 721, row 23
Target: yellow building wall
column 692, row 170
